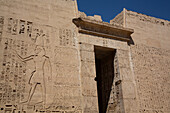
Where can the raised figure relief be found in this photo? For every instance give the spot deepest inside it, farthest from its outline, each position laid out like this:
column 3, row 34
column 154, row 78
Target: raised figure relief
column 41, row 70
column 26, row 75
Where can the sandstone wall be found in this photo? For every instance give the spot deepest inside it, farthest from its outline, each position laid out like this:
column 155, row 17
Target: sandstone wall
column 39, row 61
column 118, row 19
column 151, row 62
column 47, row 66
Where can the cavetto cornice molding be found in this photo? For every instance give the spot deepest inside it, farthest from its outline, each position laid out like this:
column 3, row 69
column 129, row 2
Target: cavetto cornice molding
column 103, row 29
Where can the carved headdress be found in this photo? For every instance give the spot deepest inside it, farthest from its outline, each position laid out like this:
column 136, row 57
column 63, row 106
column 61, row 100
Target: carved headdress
column 40, row 39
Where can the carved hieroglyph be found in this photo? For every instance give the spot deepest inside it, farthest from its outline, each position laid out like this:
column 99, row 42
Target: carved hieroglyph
column 27, row 79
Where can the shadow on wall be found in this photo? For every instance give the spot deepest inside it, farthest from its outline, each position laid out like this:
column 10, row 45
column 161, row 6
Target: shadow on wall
column 131, row 42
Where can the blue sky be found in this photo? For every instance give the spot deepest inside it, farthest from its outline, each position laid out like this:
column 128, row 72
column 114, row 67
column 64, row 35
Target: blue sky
column 108, row 9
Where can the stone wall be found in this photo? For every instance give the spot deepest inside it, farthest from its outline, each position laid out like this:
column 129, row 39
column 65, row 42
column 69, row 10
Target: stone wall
column 88, row 73
column 118, row 19
column 150, row 59
column 148, row 30
column 39, row 61
column 47, row 66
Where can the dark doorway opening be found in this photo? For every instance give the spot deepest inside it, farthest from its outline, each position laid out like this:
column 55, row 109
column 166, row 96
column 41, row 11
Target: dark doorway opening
column 104, row 60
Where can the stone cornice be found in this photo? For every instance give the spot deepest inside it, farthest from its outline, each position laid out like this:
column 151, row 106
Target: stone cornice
column 103, row 29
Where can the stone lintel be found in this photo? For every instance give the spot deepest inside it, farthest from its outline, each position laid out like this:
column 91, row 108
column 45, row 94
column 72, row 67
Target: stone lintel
column 102, row 29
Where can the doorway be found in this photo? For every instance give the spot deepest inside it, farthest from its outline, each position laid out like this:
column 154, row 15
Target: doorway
column 104, row 61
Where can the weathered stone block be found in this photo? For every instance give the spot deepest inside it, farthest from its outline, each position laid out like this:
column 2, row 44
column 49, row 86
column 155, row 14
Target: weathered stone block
column 89, row 86
column 131, row 105
column 86, row 47
column 128, row 90
column 124, row 62
column 123, row 53
column 87, row 56
column 88, row 69
column 90, row 104
column 126, row 74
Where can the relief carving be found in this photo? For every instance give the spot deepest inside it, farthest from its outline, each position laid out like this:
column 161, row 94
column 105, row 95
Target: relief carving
column 22, row 27
column 13, row 77
column 67, row 37
column 42, row 69
column 151, row 65
column 29, row 29
column 1, row 26
column 25, row 89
